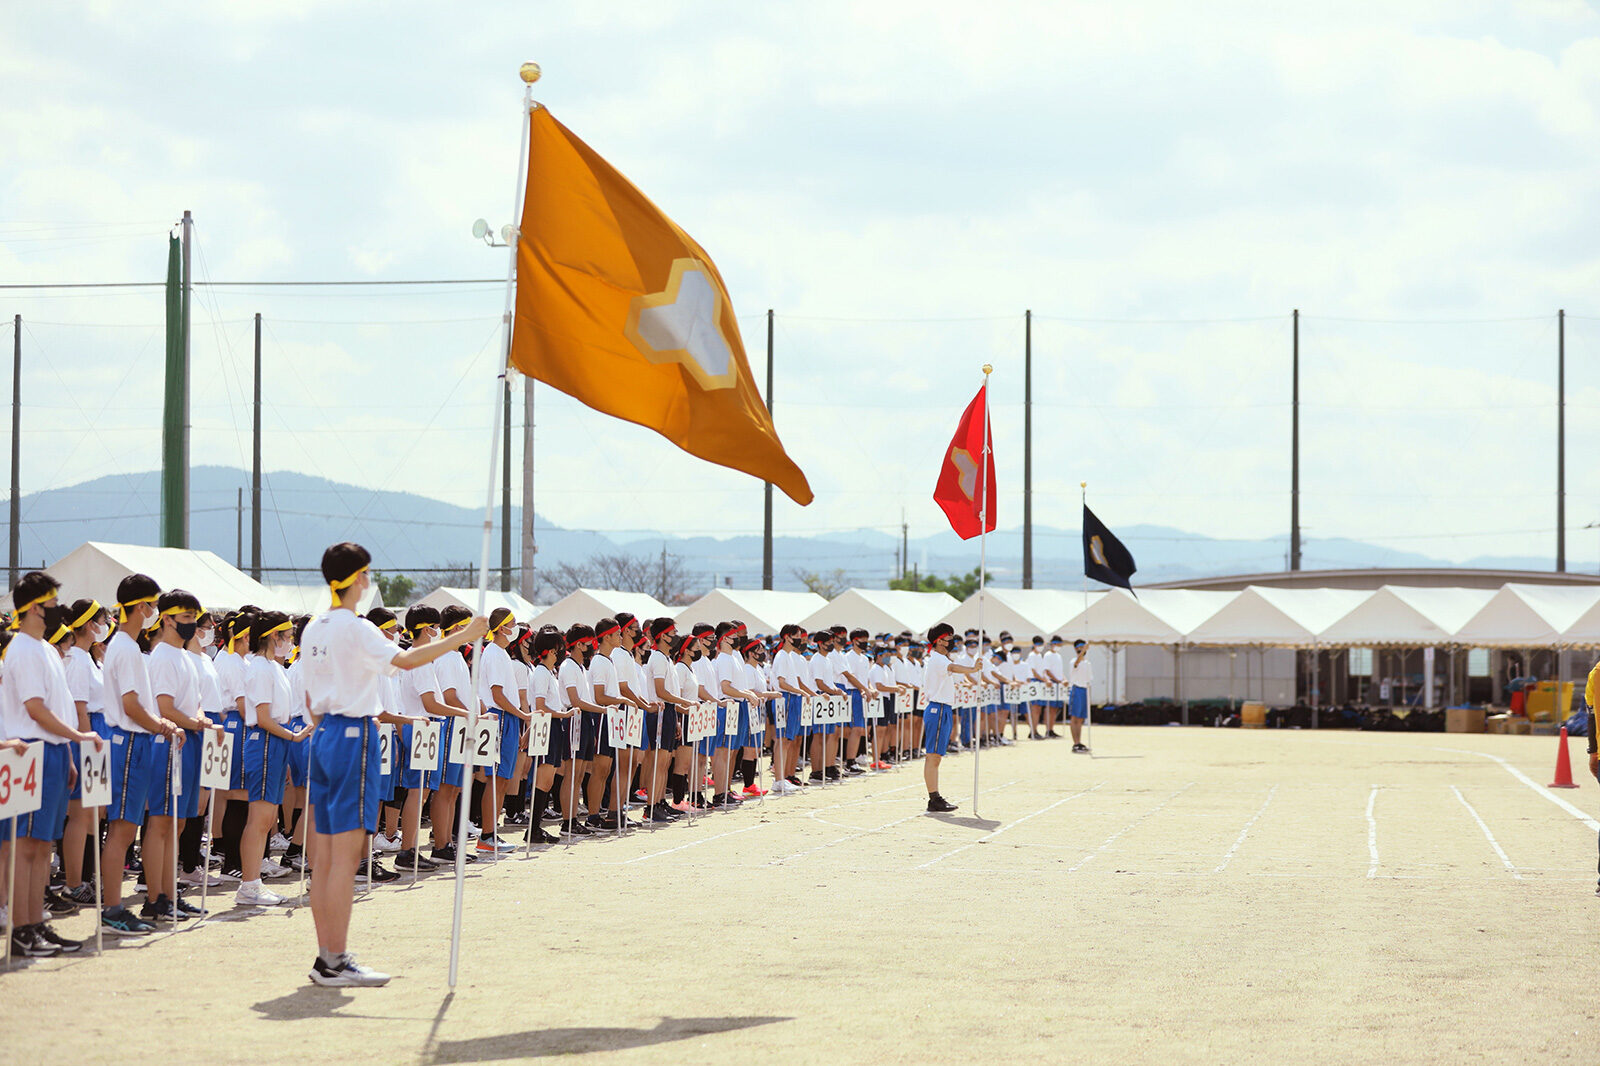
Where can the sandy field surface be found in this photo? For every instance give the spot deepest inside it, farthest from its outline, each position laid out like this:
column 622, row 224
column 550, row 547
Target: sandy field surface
column 1186, row 895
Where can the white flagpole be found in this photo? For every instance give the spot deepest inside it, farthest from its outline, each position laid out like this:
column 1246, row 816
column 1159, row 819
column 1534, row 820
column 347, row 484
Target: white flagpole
column 983, row 562
column 530, row 74
column 1088, row 719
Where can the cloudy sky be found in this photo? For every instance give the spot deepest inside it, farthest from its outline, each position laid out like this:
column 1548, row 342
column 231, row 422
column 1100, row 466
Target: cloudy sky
column 1159, row 183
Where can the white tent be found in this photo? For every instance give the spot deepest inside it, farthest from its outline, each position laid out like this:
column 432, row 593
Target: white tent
column 1407, row 616
column 590, row 605
column 763, row 611
column 1524, row 616
column 1023, row 613
column 1156, row 616
column 443, row 597
column 1277, row 617
column 94, row 568
column 883, row 610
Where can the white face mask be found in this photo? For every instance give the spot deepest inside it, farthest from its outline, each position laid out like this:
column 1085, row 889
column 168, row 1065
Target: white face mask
column 98, row 632
column 205, row 637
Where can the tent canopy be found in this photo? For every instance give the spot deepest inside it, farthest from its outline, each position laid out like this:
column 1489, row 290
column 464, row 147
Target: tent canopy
column 763, row 611
column 1023, row 613
column 1156, row 616
column 1277, row 617
column 883, row 610
column 1407, row 616
column 94, row 568
column 443, row 597
column 1521, row 616
column 590, row 605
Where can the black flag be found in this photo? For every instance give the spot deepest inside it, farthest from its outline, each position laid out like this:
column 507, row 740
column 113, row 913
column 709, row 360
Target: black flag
column 1104, row 557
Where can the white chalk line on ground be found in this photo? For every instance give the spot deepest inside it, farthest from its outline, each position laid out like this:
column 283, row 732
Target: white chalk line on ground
column 692, row 844
column 1541, row 790
column 1372, row 834
column 1009, row 825
column 866, row 832
column 1112, row 839
column 1493, row 843
column 1223, row 865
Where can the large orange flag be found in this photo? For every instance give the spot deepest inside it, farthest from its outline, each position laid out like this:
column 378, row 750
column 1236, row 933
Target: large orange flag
column 621, row 309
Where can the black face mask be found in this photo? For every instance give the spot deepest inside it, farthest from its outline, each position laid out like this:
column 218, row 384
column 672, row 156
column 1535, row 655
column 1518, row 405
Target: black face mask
column 186, row 630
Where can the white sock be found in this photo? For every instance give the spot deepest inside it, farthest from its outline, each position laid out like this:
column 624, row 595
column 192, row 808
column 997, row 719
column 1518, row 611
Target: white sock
column 256, row 884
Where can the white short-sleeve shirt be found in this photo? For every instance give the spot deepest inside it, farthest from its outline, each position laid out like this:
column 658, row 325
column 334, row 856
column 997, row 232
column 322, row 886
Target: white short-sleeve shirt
column 266, row 682
column 345, row 656
column 938, row 683
column 84, row 681
column 34, row 671
column 414, row 684
column 496, row 670
column 573, row 676
column 173, row 673
column 124, row 670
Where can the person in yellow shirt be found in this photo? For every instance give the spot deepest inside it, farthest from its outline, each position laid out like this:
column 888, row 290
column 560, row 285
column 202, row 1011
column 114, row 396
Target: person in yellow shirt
column 1589, row 694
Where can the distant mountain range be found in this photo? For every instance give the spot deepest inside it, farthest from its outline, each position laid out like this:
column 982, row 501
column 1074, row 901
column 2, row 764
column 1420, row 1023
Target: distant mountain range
column 301, row 515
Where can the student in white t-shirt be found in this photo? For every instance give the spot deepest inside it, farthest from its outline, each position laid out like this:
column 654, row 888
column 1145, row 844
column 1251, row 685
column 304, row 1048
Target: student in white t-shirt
column 794, row 681
column 938, row 685
column 544, row 700
column 90, row 625
column 345, row 655
column 175, row 683
column 265, row 751
column 498, row 693
column 35, row 704
column 577, row 691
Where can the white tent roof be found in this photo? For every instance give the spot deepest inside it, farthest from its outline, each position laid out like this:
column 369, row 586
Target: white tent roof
column 590, row 605
column 94, row 568
column 1021, row 612
column 1277, row 617
column 1156, row 616
column 883, row 610
column 763, row 611
column 443, row 596
column 1398, row 614
column 1530, row 615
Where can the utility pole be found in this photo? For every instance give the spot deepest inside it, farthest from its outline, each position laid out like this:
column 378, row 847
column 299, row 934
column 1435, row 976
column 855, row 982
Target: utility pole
column 505, row 490
column 238, row 528
column 1561, row 441
column 16, row 449
column 1294, row 454
column 255, row 467
column 175, row 406
column 905, row 545
column 1027, row 449
column 766, row 486
column 662, row 587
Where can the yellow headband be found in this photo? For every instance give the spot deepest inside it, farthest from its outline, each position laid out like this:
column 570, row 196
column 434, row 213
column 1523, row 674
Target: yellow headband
column 344, row 583
column 509, row 619
column 64, row 631
column 452, row 628
column 122, row 608
column 37, row 601
column 278, row 629
column 177, row 610
column 88, row 613
column 390, row 624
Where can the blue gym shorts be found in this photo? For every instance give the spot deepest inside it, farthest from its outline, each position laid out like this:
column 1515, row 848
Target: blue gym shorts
column 233, row 725
column 937, row 719
column 789, row 728
column 264, row 758
column 344, row 775
column 510, row 745
column 159, row 802
column 130, row 775
column 1078, row 702
column 858, row 710
column 46, row 822
column 298, row 757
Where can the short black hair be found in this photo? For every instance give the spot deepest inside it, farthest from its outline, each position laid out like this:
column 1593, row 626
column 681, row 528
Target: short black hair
column 546, row 641
column 343, row 559
column 137, row 587
column 379, row 615
column 498, row 617
column 420, row 616
column 453, row 615
column 859, row 634
column 178, row 600
column 940, row 631
column 35, row 585
column 87, row 610
column 264, row 623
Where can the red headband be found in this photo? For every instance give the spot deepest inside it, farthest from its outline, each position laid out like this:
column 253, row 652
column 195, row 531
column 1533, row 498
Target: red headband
column 667, row 632
column 606, row 633
column 580, row 640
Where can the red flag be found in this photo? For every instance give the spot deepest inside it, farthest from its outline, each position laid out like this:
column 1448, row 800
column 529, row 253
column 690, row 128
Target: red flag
column 968, row 468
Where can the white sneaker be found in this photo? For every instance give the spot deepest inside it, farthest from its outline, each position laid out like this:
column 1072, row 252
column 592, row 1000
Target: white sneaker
column 274, row 869
column 381, row 843
column 198, row 877
column 473, row 833
column 278, row 842
column 251, row 894
column 346, row 973
column 784, row 788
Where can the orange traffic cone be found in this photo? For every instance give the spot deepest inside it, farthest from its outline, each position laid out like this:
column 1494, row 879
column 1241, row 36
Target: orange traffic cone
column 1563, row 765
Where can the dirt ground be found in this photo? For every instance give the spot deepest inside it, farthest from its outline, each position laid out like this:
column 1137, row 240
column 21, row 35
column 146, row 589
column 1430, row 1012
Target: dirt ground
column 1187, row 895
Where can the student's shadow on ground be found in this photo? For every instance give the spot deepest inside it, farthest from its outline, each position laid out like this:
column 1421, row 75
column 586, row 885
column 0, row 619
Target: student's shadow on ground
column 966, row 821
column 575, row 1040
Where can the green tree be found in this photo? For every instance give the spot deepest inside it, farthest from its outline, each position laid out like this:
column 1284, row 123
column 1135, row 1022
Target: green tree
column 960, row 586
column 397, row 589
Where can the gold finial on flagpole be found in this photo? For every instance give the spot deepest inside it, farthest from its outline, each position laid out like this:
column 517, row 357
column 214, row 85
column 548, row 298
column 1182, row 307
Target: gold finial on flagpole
column 530, row 72
column 1083, row 484
column 987, row 369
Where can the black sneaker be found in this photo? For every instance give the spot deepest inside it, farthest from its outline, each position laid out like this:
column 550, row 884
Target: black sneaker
column 536, row 835
column 380, row 873
column 660, row 816
column 613, row 822
column 120, row 921
column 189, row 910
column 84, row 895
column 852, row 769
column 575, row 828
column 58, row 904
column 27, row 943
column 594, row 821
column 67, row 946
column 833, row 773
column 937, row 804
column 159, row 911
column 794, row 779
column 409, row 858
column 1079, row 749
column 663, row 807
column 447, row 854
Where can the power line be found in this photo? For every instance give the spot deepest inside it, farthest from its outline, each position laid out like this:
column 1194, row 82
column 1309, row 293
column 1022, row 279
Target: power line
column 249, row 284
